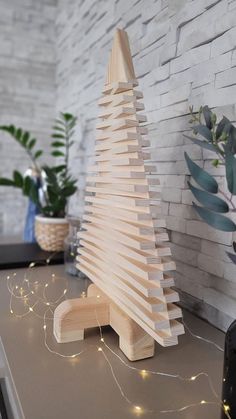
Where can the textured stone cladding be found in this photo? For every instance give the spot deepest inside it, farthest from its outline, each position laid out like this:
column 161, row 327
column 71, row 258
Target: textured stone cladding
column 27, row 92
column 184, row 54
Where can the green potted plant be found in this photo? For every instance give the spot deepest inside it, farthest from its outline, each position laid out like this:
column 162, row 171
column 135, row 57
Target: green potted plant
column 219, row 137
column 55, row 186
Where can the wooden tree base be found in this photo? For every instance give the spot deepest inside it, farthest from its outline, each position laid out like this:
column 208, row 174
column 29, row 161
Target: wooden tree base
column 72, row 317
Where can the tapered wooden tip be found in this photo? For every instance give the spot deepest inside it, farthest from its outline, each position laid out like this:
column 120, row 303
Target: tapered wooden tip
column 120, row 67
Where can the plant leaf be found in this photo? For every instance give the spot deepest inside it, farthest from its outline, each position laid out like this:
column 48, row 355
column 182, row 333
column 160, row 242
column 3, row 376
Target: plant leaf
column 230, row 168
column 221, row 127
column 57, row 154
column 220, row 222
column 207, row 116
column 25, row 138
column 202, row 143
column 6, row 182
column 58, row 144
column 203, row 131
column 31, row 143
column 38, row 154
column 210, row 201
column 232, row 256
column 58, row 136
column 18, row 134
column 18, row 179
column 204, row 179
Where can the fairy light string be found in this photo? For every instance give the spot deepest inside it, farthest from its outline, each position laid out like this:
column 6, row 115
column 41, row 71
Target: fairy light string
column 23, row 292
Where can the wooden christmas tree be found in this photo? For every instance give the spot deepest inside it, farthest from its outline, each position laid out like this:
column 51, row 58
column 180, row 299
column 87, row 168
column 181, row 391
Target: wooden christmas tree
column 124, row 245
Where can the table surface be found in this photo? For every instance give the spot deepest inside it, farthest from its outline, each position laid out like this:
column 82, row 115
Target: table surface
column 52, row 387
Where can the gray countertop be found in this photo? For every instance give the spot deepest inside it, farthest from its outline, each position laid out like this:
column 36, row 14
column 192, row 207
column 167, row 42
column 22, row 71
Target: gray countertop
column 51, row 387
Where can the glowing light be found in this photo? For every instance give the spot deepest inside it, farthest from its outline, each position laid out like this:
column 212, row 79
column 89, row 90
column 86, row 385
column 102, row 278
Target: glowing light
column 44, row 327
column 102, row 340
column 144, row 373
column 46, row 285
column 226, row 407
column 11, row 311
column 99, row 349
column 193, row 378
column 65, row 291
column 32, row 264
column 98, row 296
column 138, row 409
column 203, row 401
column 31, row 309
column 17, row 287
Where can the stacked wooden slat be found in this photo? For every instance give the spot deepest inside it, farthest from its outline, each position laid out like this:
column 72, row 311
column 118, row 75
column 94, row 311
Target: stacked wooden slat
column 124, row 245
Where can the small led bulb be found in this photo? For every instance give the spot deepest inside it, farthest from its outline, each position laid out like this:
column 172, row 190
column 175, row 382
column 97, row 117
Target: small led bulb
column 203, row 402
column 44, row 327
column 193, row 378
column 99, row 349
column 102, row 340
column 31, row 309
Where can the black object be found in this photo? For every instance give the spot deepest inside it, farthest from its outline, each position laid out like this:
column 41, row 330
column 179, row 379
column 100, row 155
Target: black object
column 229, row 373
column 3, row 401
column 21, row 255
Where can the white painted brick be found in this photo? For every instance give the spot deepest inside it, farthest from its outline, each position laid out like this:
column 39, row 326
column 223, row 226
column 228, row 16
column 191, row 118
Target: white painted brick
column 175, row 224
column 201, row 229
column 215, row 250
column 182, row 211
column 171, row 195
column 184, row 240
column 226, row 78
column 224, row 43
column 220, row 301
column 176, row 95
column 184, row 255
column 190, row 58
column 210, row 264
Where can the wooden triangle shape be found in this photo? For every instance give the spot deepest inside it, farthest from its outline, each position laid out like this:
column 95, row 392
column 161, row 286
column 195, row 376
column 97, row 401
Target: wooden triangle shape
column 120, row 67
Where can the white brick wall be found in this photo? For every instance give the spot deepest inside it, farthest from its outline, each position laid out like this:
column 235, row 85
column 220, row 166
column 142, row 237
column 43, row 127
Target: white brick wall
column 183, row 55
column 27, row 92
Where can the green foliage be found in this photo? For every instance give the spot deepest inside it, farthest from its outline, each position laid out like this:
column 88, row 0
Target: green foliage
column 210, row 201
column 200, row 176
column 25, row 140
column 219, row 137
column 58, row 183
column 220, row 222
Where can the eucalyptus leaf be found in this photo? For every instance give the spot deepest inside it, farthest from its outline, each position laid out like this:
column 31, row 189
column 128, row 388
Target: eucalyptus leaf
column 203, row 131
column 207, row 116
column 222, row 127
column 204, row 179
column 202, row 143
column 220, row 222
column 210, row 201
column 230, row 168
